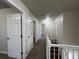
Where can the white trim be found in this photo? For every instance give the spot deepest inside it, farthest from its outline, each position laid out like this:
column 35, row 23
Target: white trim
column 27, row 53
column 17, row 56
column 3, row 52
column 63, row 45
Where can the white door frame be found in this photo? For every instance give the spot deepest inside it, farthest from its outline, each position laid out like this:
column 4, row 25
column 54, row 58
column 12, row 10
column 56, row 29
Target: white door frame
column 13, row 4
column 21, row 38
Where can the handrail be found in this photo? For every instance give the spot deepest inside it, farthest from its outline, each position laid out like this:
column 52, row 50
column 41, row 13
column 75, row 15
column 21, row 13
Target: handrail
column 63, row 45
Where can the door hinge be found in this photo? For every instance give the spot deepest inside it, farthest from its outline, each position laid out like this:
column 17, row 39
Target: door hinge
column 21, row 36
column 21, row 53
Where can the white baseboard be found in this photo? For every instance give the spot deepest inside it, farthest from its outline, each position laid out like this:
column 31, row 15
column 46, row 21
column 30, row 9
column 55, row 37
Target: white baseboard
column 26, row 54
column 3, row 52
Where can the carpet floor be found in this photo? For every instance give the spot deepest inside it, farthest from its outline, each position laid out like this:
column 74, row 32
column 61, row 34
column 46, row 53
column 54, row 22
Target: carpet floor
column 4, row 56
column 38, row 51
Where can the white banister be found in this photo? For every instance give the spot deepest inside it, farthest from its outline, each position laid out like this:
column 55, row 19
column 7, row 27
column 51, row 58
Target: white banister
column 66, row 46
column 48, row 42
column 64, row 51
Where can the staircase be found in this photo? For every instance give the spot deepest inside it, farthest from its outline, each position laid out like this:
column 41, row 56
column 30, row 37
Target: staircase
column 55, row 51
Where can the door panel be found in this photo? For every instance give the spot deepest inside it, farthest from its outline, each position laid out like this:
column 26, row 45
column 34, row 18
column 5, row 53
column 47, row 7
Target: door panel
column 14, row 35
column 29, row 28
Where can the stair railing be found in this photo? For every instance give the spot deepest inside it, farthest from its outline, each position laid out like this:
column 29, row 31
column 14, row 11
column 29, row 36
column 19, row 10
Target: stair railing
column 48, row 44
column 68, row 51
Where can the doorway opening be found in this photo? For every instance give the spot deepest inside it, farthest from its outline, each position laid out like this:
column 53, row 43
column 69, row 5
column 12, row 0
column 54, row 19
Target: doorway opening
column 34, row 32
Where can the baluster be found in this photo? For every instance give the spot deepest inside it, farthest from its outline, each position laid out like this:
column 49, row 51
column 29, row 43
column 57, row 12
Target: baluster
column 68, row 53
column 61, row 49
column 73, row 53
column 54, row 52
column 64, row 52
column 58, row 53
column 49, row 57
column 47, row 52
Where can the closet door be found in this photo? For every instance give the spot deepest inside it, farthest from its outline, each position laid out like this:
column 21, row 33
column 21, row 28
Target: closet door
column 14, row 35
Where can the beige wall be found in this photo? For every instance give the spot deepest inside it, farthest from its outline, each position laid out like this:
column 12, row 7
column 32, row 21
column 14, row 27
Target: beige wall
column 71, row 28
column 3, row 27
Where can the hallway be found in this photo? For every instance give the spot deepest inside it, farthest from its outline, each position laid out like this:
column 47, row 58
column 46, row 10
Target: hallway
column 38, row 51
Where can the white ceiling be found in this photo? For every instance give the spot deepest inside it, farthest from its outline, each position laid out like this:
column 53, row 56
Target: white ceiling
column 43, row 7
column 3, row 4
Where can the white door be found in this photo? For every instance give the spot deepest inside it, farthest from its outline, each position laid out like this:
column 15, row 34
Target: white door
column 14, row 35
column 29, row 28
